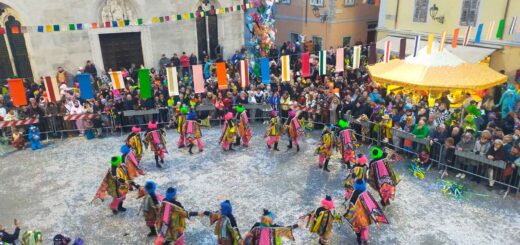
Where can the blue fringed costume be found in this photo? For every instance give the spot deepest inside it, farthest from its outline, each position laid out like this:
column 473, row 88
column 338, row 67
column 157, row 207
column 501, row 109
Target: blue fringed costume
column 508, row 100
column 34, row 138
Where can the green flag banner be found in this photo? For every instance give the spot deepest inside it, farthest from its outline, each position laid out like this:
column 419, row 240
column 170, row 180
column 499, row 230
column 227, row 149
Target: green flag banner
column 145, row 84
column 500, row 32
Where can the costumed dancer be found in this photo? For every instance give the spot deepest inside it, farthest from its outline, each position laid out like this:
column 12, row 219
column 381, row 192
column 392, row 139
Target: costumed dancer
column 34, row 138
column 244, row 131
column 383, row 177
column 226, row 228
column 181, row 118
column 273, row 131
column 131, row 164
column 135, row 142
column 362, row 211
column 321, row 220
column 324, row 150
column 116, row 184
column 172, row 220
column 192, row 133
column 156, row 138
column 267, row 233
column 358, row 171
column 345, row 144
column 151, row 206
column 295, row 130
column 228, row 132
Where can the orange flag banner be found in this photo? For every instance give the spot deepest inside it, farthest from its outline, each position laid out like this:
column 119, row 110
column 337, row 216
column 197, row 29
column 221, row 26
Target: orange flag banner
column 17, row 91
column 222, row 76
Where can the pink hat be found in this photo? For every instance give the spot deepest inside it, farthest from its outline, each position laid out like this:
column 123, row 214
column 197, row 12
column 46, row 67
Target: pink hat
column 152, row 125
column 292, row 113
column 362, row 159
column 274, row 113
column 136, row 129
column 327, row 203
column 228, row 116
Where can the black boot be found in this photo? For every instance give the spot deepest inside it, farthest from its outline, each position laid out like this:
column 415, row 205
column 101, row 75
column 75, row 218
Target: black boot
column 276, row 146
column 358, row 238
column 290, row 144
column 231, row 147
column 120, row 207
column 297, row 148
column 191, row 147
column 157, row 162
column 153, row 231
column 326, row 165
column 268, row 146
column 237, row 142
column 162, row 160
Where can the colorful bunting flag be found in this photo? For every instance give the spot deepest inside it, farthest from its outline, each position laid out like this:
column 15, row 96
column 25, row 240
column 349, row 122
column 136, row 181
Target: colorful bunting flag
column 340, row 60
column 155, row 20
column 15, row 30
column 512, row 27
column 56, row 28
column 167, row 18
column 40, row 28
column 429, row 47
column 443, row 41
column 306, row 66
column 179, row 17
column 173, row 81
column 500, row 31
column 466, row 37
column 17, row 90
column 94, row 25
column 72, row 27
column 322, row 68
column 145, row 83
column 479, row 33
column 356, row 57
column 161, row 19
column 24, row 29
column 192, row 15
column 79, row 27
column 244, row 74
column 198, row 79
column 402, row 48
column 139, row 22
column 121, row 23
column 107, row 24
column 265, row 71
column 388, row 51
column 186, row 16
column 117, row 80
column 85, row 86
column 2, row 31
column 114, row 23
column 222, row 76
column 286, row 68
column 51, row 87
column 126, row 22
column 490, row 30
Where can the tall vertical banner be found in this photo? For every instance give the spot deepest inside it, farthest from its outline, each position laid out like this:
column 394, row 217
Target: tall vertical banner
column 323, row 63
column 117, row 80
column 466, row 37
column 17, row 91
column 198, row 79
column 388, row 51
column 443, row 41
column 478, row 36
column 85, row 86
column 173, row 81
column 512, row 27
column 356, row 57
column 429, row 48
column 145, row 83
column 340, row 60
column 265, row 71
column 490, row 30
column 286, row 68
column 402, row 48
column 500, row 31
column 455, row 39
column 417, row 43
column 372, row 54
column 306, row 65
column 222, row 76
column 51, row 87
column 244, row 74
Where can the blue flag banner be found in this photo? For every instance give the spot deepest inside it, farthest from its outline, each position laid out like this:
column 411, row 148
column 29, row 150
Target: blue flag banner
column 264, row 69
column 85, row 86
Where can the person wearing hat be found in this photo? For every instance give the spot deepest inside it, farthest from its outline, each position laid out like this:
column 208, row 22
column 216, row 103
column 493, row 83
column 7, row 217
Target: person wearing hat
column 346, row 147
column 181, row 119
column 495, row 153
column 362, row 211
column 324, row 149
column 408, row 119
column 228, row 132
column 131, row 164
column 135, row 142
column 10, row 238
column 295, row 130
column 225, row 224
column 273, row 131
column 386, row 126
column 192, row 133
column 172, row 219
column 244, row 131
column 358, row 171
column 34, row 138
column 321, row 219
column 267, row 232
column 115, row 184
column 156, row 138
column 151, row 206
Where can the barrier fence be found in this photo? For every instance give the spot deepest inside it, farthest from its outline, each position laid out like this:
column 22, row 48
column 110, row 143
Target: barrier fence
column 368, row 132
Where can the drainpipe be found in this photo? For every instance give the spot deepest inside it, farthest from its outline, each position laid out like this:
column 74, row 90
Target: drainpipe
column 396, row 14
column 306, row 10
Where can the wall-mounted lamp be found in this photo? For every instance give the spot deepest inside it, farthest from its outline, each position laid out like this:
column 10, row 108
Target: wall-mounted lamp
column 434, row 10
column 316, row 11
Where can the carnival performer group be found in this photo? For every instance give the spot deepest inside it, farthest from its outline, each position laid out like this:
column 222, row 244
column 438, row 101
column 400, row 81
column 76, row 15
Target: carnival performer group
column 166, row 218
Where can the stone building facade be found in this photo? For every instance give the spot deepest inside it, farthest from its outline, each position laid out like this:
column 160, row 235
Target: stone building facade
column 35, row 54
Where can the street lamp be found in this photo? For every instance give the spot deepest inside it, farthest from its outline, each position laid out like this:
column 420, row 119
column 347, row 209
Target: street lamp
column 317, row 14
column 434, row 10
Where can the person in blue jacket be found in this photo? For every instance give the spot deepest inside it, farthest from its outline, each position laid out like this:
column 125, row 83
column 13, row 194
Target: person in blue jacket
column 34, row 138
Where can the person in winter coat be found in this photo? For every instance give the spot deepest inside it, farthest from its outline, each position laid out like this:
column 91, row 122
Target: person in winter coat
column 482, row 146
column 7, row 237
column 466, row 144
column 495, row 153
column 151, row 206
column 77, row 109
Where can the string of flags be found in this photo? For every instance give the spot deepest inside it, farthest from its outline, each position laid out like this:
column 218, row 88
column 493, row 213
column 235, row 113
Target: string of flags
column 124, row 23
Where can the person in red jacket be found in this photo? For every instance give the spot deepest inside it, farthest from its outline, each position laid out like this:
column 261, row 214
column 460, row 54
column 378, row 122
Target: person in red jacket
column 185, row 65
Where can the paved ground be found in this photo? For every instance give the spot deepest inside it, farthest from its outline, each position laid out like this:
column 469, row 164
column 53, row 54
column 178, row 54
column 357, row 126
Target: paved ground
column 51, row 190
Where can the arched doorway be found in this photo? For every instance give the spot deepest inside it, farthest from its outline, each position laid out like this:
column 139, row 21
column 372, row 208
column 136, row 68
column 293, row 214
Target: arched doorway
column 207, row 29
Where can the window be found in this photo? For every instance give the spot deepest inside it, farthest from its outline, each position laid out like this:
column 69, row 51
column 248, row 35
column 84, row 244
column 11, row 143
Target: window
column 295, row 37
column 285, row 1
column 346, row 41
column 420, row 13
column 469, row 14
column 350, row 3
column 316, row 2
column 318, row 43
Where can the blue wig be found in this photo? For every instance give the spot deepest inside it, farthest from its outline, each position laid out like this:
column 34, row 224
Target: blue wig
column 226, row 208
column 150, row 186
column 171, row 193
column 360, row 185
column 191, row 116
column 125, row 149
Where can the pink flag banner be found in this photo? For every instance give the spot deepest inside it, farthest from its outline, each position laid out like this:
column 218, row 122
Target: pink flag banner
column 198, row 79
